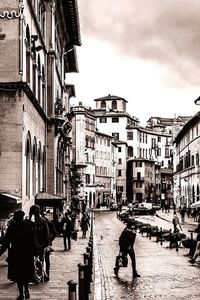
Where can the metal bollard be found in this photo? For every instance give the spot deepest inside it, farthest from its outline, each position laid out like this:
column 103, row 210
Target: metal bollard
column 150, row 232
column 87, row 278
column 177, row 241
column 72, row 289
column 157, row 235
column 81, row 282
column 161, row 242
column 170, row 239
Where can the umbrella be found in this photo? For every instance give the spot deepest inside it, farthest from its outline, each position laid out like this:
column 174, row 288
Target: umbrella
column 195, row 204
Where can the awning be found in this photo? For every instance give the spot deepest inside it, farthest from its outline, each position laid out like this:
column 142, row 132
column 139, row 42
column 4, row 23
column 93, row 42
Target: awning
column 46, row 199
column 10, row 199
column 8, row 204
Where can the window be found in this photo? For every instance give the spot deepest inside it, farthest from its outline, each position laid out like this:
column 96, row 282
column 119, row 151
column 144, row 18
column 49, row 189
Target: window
column 159, row 138
column 139, row 184
column 34, row 168
column 119, row 173
column 28, row 158
column 28, row 52
column 114, row 104
column 115, row 120
column 166, row 152
column 119, row 149
column 119, row 161
column 108, row 142
column 138, row 164
column 197, row 159
column 159, row 151
column 103, row 104
column 39, row 167
column 87, row 178
column 130, row 135
column 153, row 143
column 103, row 120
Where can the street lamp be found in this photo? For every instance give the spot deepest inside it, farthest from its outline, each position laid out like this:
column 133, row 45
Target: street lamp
column 197, row 101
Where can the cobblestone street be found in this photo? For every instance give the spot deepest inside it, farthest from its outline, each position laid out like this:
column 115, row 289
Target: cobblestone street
column 165, row 273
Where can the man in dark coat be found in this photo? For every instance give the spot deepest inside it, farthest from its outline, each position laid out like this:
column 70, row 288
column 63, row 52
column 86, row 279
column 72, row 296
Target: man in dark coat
column 126, row 243
column 67, row 228
column 19, row 237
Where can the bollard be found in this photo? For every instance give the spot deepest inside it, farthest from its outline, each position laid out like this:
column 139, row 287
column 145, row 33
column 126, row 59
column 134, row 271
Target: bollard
column 170, row 239
column 161, row 242
column 177, row 241
column 72, row 289
column 87, row 274
column 81, row 282
column 157, row 235
column 150, row 232
column 88, row 249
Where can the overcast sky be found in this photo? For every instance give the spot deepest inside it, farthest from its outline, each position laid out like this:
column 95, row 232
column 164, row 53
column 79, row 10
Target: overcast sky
column 146, row 51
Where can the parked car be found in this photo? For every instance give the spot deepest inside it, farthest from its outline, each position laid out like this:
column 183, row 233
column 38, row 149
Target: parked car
column 143, row 209
column 114, row 206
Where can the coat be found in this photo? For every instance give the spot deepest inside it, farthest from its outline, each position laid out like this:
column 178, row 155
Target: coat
column 19, row 240
column 85, row 223
column 127, row 239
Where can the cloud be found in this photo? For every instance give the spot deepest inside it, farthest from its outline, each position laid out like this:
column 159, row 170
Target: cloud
column 163, row 31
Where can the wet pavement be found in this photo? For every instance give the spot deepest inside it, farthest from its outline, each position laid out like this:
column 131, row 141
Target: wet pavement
column 63, row 268
column 165, row 273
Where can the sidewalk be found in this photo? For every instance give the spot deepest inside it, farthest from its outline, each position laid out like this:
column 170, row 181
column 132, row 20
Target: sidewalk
column 63, row 268
column 189, row 223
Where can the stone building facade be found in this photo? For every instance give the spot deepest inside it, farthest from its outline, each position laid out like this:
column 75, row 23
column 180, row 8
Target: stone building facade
column 186, row 163
column 38, row 40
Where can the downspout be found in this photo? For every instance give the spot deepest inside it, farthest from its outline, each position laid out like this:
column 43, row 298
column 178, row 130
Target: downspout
column 21, row 18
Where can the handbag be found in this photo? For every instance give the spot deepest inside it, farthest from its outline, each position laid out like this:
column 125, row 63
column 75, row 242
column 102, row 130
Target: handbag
column 74, row 235
column 121, row 260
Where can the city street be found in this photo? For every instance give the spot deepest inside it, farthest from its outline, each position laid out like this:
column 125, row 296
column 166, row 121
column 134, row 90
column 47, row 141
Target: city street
column 165, row 273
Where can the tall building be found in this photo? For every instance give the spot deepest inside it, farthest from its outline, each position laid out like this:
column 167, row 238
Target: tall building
column 94, row 160
column 38, row 40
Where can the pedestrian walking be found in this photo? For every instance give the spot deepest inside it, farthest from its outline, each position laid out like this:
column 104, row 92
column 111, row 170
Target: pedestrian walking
column 126, row 244
column 67, row 228
column 176, row 222
column 85, row 223
column 41, row 237
column 182, row 213
column 197, row 250
column 20, row 238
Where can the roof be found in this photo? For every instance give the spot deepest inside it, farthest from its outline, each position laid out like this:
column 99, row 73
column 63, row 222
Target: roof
column 72, row 21
column 10, row 197
column 187, row 125
column 110, row 98
column 44, row 198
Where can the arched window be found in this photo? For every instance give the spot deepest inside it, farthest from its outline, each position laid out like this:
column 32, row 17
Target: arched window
column 28, row 159
column 198, row 193
column 86, row 141
column 28, row 54
column 130, row 151
column 114, row 104
column 43, row 89
column 39, row 80
column 103, row 104
column 44, row 169
column 39, row 167
column 34, row 156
